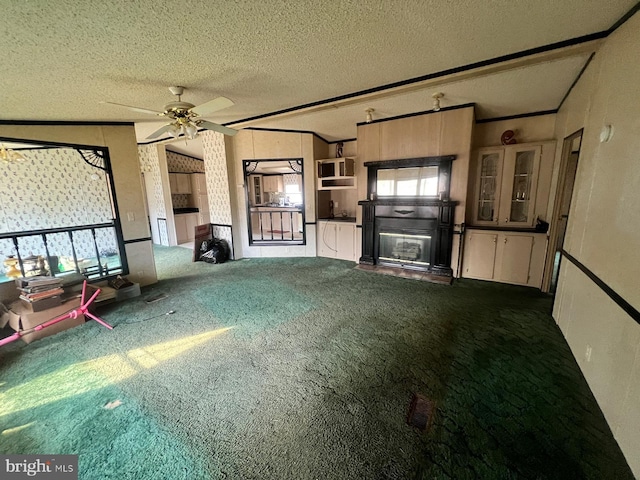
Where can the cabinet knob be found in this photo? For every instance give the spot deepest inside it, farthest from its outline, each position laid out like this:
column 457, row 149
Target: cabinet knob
column 506, row 220
column 505, row 239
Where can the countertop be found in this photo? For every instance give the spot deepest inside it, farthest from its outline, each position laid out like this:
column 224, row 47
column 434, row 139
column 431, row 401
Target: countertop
column 339, row 219
column 266, row 208
column 178, row 211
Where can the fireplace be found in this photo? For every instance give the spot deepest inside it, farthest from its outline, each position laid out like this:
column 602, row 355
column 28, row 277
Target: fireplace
column 413, row 232
column 404, row 249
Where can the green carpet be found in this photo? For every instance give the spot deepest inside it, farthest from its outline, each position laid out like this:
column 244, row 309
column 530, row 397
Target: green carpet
column 304, row 368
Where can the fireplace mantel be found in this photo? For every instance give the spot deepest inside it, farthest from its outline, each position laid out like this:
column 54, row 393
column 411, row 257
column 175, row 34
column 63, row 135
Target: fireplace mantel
column 413, row 215
column 409, row 201
column 420, row 223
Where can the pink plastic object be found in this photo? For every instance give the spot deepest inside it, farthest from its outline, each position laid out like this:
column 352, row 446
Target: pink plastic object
column 82, row 309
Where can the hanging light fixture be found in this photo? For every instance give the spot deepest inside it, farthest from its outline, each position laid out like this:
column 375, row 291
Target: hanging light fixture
column 191, row 130
column 183, row 126
column 436, row 101
column 369, row 118
column 8, row 155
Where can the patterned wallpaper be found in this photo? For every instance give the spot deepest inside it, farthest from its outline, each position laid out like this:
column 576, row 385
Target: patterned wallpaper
column 177, row 163
column 150, row 165
column 180, row 200
column 54, row 188
column 215, row 165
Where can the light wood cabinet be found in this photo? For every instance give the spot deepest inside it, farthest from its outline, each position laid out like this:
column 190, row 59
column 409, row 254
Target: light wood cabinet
column 180, row 183
column 256, row 191
column 480, row 255
column 203, row 218
column 272, row 183
column 185, row 224
column 512, row 184
column 336, row 240
column 336, row 173
column 508, row 257
column 198, row 183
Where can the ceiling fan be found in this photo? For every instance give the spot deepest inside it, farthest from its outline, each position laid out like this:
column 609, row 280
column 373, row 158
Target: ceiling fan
column 186, row 117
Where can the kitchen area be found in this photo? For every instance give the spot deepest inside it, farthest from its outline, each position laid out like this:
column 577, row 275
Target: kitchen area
column 275, row 201
column 190, row 204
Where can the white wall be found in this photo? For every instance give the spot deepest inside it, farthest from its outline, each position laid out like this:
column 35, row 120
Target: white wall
column 603, row 233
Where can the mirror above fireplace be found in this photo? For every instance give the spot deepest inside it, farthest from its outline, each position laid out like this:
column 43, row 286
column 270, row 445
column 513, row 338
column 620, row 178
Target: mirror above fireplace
column 427, row 177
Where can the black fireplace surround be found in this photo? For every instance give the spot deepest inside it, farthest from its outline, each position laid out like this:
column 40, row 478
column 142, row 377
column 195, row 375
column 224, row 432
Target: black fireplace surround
column 409, row 232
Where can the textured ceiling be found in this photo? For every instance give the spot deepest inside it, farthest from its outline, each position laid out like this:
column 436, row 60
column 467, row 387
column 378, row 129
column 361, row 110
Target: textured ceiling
column 61, row 58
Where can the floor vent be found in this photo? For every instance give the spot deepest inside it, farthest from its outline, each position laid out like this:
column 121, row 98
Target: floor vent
column 421, row 412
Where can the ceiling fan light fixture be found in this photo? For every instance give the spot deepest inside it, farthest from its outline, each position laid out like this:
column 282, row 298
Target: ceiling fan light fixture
column 174, row 131
column 191, row 130
column 185, row 117
column 7, row 155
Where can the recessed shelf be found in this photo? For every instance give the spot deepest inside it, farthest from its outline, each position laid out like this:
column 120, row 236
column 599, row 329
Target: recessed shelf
column 336, row 173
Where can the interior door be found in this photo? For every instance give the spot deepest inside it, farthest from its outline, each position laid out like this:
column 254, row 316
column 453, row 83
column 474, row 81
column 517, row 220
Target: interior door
column 565, row 202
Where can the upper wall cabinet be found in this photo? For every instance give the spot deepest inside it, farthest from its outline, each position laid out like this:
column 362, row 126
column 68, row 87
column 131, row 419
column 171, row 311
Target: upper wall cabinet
column 509, row 188
column 180, row 183
column 336, row 173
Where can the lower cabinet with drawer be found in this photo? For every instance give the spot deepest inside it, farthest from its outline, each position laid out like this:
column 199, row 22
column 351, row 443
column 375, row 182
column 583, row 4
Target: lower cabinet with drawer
column 505, row 256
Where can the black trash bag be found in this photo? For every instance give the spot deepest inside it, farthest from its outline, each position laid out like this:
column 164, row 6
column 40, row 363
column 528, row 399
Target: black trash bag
column 214, row 251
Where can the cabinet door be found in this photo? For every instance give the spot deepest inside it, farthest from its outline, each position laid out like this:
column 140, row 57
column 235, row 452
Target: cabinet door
column 267, row 184
column 198, row 183
column 173, row 183
column 203, row 218
column 514, row 258
column 480, row 255
column 192, row 220
column 202, row 203
column 488, row 187
column 256, row 190
column 326, row 239
column 520, row 180
column 183, row 182
column 180, row 223
column 345, row 242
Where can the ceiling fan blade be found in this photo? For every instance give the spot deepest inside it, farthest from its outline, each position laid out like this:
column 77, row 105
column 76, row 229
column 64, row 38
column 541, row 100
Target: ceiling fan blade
column 217, row 128
column 212, row 106
column 160, row 131
column 135, row 109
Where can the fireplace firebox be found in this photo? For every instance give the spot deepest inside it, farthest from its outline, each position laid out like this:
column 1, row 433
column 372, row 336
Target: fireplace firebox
column 413, row 231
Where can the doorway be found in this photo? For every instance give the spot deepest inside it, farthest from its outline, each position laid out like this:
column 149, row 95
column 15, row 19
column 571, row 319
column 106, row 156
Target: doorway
column 562, row 206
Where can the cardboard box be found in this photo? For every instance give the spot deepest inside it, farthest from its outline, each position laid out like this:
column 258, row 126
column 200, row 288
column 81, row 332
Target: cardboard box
column 40, row 305
column 4, row 315
column 22, row 319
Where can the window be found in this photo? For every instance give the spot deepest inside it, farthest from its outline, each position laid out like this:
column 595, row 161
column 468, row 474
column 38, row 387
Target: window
column 408, row 182
column 293, row 194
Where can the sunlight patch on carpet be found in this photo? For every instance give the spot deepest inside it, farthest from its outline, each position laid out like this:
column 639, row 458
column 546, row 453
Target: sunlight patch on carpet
column 17, row 429
column 148, row 357
column 94, row 374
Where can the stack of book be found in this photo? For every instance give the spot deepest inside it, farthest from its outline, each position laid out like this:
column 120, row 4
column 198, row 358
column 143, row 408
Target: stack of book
column 40, row 292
